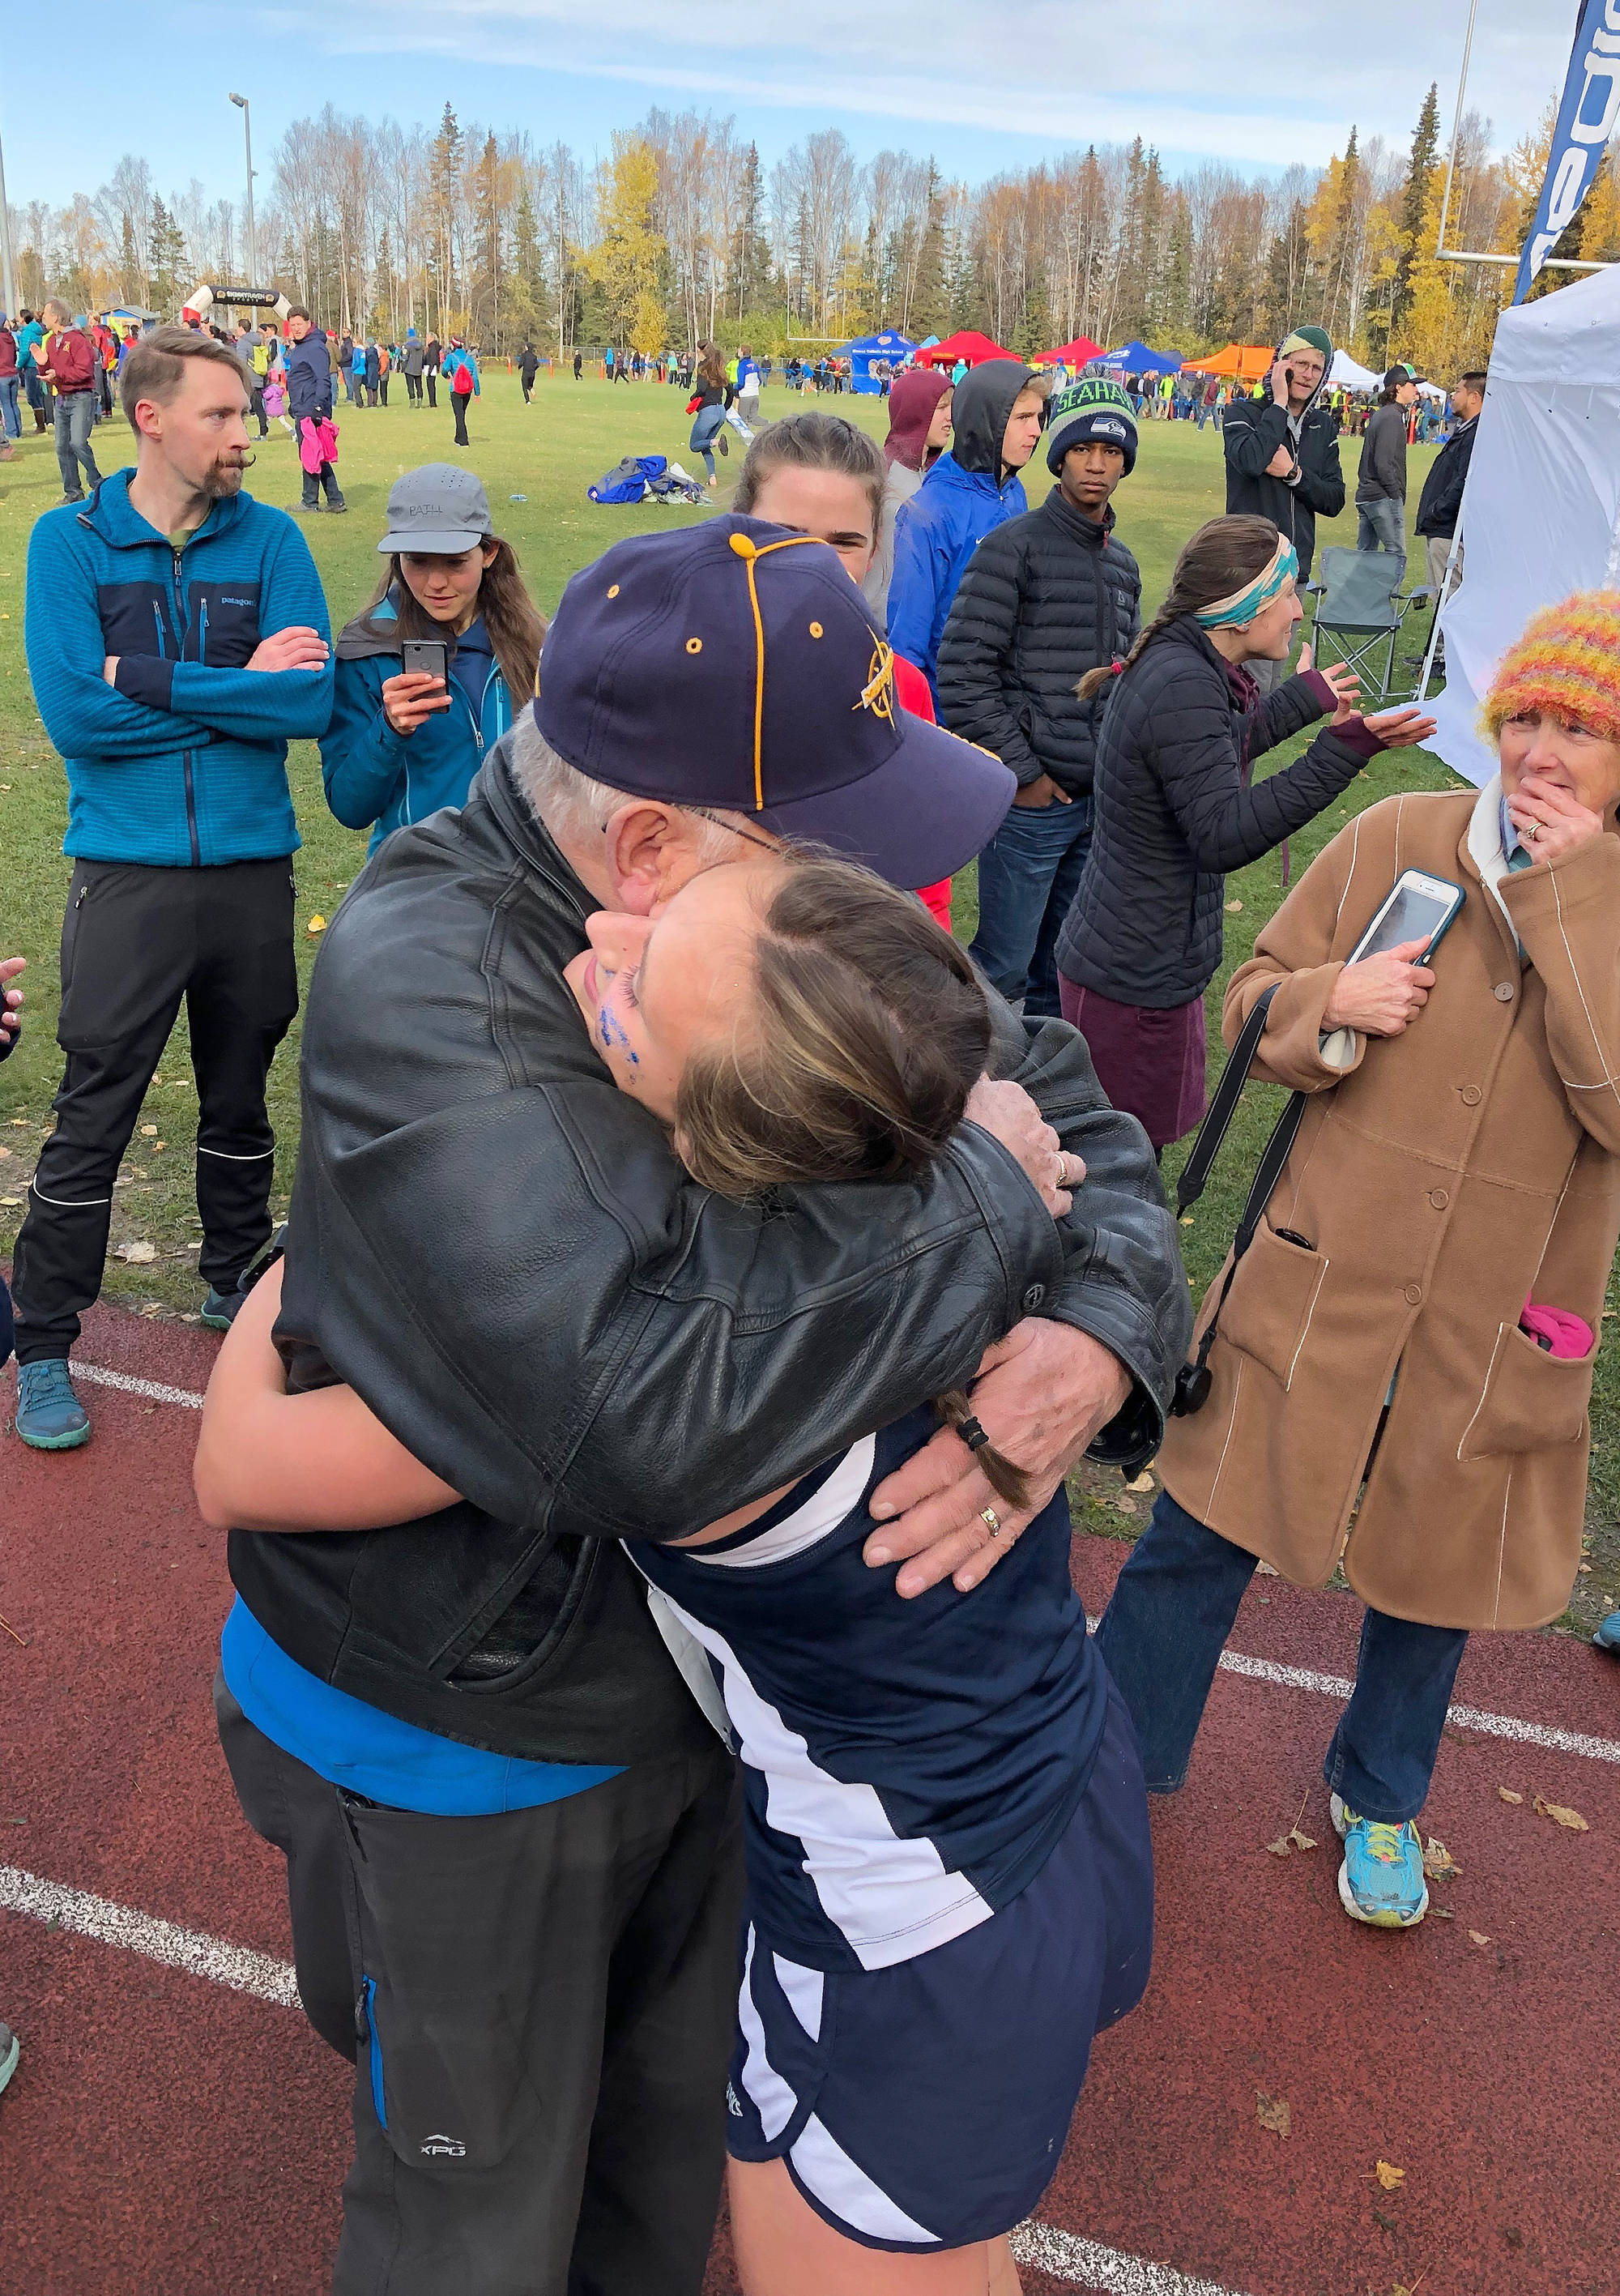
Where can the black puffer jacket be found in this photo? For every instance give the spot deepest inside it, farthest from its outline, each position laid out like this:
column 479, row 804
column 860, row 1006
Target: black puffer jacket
column 1172, row 815
column 500, row 1253
column 1254, row 428
column 1045, row 598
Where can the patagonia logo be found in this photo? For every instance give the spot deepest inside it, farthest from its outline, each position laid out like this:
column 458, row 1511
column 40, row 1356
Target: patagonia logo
column 443, row 2148
column 225, row 600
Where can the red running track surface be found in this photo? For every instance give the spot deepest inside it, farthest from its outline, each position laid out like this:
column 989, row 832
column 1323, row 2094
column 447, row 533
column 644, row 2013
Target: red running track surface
column 167, row 2137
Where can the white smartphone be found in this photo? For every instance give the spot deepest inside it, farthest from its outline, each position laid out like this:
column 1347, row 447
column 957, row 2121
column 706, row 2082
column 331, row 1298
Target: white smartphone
column 1418, row 907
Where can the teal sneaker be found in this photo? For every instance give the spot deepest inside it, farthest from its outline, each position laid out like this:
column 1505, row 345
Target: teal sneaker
column 50, row 1417
column 1608, row 1636
column 219, row 1308
column 1381, row 1880
column 11, row 2049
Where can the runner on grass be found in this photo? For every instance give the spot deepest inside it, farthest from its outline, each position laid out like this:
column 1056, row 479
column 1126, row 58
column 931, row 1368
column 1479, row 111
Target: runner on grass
column 950, row 1877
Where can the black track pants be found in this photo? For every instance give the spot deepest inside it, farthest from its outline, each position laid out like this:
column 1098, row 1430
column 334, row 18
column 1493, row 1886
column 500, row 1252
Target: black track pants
column 136, row 941
column 540, row 2007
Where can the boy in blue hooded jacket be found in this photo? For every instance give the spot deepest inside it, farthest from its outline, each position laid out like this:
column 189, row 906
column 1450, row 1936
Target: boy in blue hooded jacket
column 404, row 743
column 997, row 412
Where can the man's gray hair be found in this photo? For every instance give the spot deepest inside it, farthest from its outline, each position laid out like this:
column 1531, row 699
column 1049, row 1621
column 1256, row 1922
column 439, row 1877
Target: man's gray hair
column 570, row 804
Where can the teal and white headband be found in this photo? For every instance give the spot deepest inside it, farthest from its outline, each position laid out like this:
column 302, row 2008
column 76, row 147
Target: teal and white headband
column 1244, row 604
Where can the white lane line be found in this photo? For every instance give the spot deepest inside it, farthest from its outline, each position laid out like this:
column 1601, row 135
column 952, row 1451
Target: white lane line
column 191, row 1950
column 152, row 1388
column 1462, row 1717
column 1257, row 1669
column 1087, row 2264
column 1084, row 2264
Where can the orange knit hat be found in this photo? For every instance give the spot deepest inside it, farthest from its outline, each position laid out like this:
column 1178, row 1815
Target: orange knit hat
column 1568, row 662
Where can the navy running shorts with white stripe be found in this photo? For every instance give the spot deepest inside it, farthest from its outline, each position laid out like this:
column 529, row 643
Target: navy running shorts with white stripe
column 925, row 2104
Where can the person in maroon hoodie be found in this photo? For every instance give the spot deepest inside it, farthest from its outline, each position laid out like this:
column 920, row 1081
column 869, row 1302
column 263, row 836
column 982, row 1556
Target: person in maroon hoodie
column 10, row 422
column 918, row 430
column 67, row 360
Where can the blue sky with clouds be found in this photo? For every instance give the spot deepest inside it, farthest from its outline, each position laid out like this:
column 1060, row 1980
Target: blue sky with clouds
column 985, row 87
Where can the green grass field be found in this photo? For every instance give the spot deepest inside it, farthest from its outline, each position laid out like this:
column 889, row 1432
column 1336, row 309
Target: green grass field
column 536, row 463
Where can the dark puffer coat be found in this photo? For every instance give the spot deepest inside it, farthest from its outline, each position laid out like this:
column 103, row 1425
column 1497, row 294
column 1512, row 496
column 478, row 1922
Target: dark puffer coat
column 1172, row 813
column 1045, row 598
column 1255, row 428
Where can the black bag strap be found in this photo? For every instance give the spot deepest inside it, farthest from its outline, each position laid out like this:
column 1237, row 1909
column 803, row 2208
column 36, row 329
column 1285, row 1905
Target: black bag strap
column 1192, row 1382
column 1224, row 1107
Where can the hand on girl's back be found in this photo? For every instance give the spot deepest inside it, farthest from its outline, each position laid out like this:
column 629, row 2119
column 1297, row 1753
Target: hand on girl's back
column 411, row 698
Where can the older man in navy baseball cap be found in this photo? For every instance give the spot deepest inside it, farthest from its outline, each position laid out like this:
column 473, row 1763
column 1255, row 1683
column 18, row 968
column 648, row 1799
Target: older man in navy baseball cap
column 738, row 669
column 501, row 1253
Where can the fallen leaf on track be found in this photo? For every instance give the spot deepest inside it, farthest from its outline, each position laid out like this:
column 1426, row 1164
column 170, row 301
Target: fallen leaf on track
column 1288, row 1842
column 1275, row 2112
column 1478, row 1937
column 1560, row 1816
column 1144, row 1482
column 1504, row 1794
column 1438, row 1863
column 1234, row 908
column 140, row 1253
column 149, row 1132
column 1391, row 2179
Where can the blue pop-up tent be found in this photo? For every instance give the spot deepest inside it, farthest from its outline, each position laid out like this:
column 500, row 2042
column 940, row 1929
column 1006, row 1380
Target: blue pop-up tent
column 1136, row 358
column 864, row 353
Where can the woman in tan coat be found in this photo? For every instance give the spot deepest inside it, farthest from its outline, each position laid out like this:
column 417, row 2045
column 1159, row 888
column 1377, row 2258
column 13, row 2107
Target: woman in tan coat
column 1458, row 1163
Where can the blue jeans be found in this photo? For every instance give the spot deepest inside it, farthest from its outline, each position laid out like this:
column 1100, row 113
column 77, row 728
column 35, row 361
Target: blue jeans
column 1163, row 1633
column 74, row 416
column 1026, row 878
column 9, row 416
column 1381, row 525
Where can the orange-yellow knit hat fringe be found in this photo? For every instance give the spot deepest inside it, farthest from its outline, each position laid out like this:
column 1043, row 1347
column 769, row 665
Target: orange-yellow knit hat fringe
column 1567, row 663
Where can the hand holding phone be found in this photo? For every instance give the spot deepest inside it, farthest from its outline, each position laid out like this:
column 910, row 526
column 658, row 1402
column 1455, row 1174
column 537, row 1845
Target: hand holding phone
column 1380, row 996
column 412, row 698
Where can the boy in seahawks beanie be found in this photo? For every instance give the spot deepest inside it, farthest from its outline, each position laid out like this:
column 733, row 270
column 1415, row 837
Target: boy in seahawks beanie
column 1093, row 408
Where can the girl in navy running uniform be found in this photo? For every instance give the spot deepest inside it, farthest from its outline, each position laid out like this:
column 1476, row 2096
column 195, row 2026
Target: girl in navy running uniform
column 950, row 1887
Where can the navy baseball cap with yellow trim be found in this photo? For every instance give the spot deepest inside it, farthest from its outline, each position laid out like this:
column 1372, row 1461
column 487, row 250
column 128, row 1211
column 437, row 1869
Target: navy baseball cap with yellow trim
column 735, row 665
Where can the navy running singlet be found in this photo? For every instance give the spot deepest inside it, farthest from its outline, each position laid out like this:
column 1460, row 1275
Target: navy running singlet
column 909, row 1766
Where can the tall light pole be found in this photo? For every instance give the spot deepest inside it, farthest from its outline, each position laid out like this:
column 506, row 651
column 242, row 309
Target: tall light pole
column 7, row 284
column 246, row 129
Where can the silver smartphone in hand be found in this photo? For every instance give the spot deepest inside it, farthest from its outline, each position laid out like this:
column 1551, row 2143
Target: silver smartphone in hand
column 1418, row 908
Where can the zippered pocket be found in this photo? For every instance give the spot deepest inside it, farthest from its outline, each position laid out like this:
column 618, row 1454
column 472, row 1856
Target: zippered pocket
column 368, row 1994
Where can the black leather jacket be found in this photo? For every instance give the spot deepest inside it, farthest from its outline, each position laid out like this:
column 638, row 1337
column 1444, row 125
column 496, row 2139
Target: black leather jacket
column 498, row 1250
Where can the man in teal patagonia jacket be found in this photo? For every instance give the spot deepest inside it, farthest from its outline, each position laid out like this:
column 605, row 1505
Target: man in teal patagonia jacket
column 176, row 636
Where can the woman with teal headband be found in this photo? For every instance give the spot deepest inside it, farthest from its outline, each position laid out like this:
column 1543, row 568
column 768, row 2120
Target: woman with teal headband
column 1175, row 808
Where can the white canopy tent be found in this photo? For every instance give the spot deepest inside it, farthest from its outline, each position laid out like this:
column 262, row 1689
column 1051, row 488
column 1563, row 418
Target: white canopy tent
column 1351, row 374
column 1541, row 513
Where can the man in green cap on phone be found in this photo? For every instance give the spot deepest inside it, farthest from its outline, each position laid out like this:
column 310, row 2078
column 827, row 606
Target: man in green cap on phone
column 1282, row 457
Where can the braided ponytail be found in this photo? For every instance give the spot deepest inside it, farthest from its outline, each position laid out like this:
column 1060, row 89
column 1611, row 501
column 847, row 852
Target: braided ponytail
column 1221, row 557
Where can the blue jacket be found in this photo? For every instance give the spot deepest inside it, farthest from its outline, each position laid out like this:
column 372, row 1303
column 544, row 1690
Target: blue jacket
column 374, row 775
column 453, row 359
column 961, row 499
column 935, row 533
column 183, row 762
column 308, row 377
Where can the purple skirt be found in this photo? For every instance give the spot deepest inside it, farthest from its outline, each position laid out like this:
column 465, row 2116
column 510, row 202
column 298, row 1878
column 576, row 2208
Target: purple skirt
column 1149, row 1060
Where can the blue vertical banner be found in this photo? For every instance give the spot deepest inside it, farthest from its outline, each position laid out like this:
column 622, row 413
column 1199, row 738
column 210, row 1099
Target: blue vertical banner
column 1587, row 112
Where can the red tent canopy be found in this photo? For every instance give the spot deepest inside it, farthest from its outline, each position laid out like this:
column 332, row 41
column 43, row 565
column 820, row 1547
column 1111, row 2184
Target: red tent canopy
column 1081, row 352
column 968, row 345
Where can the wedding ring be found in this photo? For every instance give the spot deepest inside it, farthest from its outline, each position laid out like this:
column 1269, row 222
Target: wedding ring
column 990, row 1516
column 1533, row 830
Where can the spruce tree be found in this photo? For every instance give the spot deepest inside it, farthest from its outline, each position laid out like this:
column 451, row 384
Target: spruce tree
column 931, row 297
column 166, row 260
column 1414, row 199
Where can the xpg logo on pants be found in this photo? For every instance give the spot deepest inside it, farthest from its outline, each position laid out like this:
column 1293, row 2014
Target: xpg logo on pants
column 443, row 2148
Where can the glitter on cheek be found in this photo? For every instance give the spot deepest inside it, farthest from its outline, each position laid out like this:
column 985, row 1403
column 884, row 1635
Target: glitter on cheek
column 610, row 1029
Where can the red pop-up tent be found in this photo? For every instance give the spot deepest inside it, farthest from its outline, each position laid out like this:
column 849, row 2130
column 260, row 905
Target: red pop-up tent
column 968, row 345
column 1080, row 352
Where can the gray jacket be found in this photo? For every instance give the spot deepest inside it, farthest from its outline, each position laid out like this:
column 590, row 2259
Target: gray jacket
column 1382, row 476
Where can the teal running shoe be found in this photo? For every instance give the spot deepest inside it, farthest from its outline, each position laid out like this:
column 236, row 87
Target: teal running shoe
column 11, row 2049
column 1608, row 1636
column 219, row 1308
column 50, row 1417
column 1381, row 1881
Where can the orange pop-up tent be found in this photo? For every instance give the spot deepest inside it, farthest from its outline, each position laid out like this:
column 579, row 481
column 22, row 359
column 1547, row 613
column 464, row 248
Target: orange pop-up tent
column 1241, row 362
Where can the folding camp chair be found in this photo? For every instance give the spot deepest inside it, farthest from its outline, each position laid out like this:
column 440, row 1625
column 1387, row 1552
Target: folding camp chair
column 1360, row 608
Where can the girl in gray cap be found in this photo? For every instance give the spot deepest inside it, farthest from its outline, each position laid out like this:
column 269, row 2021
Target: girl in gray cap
column 402, row 743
